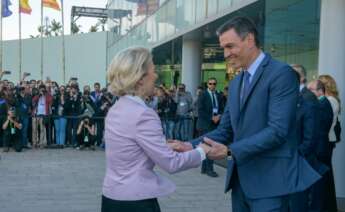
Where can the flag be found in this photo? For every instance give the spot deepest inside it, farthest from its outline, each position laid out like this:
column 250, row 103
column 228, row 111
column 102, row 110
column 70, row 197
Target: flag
column 24, row 6
column 5, row 8
column 51, row 3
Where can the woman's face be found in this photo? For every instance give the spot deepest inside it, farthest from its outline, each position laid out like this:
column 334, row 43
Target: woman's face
column 148, row 81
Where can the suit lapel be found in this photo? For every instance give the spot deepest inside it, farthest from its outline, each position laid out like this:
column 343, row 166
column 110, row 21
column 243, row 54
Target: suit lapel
column 235, row 103
column 255, row 80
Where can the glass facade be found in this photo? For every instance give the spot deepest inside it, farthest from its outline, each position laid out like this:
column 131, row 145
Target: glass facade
column 162, row 20
column 289, row 30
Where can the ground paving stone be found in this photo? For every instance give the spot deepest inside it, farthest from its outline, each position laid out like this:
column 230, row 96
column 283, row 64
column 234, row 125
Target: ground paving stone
column 68, row 180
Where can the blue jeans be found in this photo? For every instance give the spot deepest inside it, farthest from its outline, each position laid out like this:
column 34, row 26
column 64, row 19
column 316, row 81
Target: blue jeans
column 25, row 126
column 183, row 128
column 60, row 130
column 168, row 128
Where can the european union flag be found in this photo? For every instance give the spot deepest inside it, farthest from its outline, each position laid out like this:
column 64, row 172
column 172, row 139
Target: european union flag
column 5, row 8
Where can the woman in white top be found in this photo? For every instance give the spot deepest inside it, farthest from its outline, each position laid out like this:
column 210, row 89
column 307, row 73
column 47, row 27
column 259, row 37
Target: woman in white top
column 333, row 97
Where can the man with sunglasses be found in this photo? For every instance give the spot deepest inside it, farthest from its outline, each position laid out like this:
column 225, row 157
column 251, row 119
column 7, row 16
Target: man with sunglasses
column 210, row 107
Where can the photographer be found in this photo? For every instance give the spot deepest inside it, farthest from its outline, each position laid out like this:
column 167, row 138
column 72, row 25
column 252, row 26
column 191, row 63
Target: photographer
column 101, row 111
column 24, row 102
column 41, row 109
column 184, row 102
column 59, row 113
column 167, row 112
column 12, row 131
column 72, row 108
column 86, row 134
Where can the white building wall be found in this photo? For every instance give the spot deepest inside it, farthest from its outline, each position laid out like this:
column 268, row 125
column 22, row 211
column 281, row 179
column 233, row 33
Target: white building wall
column 332, row 62
column 85, row 58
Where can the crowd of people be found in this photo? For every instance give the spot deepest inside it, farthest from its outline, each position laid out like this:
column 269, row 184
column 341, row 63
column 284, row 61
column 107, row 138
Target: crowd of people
column 39, row 114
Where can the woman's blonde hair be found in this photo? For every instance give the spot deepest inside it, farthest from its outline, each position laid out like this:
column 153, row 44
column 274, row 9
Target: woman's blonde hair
column 330, row 86
column 127, row 68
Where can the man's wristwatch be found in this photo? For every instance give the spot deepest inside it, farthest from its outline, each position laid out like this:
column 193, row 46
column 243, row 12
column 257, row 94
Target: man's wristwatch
column 229, row 154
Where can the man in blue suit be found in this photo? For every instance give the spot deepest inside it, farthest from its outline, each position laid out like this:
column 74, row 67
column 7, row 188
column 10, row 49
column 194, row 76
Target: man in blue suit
column 264, row 166
column 325, row 115
column 308, row 130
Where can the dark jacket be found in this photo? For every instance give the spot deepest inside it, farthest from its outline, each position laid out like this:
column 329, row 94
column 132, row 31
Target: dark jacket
column 205, row 110
column 325, row 115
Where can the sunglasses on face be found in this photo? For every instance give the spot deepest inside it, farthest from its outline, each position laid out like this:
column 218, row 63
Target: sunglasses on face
column 212, row 83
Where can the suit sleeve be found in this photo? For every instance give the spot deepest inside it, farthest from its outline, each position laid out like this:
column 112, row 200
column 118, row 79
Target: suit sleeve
column 309, row 136
column 150, row 138
column 281, row 116
column 223, row 133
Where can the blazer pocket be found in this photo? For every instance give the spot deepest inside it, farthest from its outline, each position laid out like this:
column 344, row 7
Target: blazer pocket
column 278, row 153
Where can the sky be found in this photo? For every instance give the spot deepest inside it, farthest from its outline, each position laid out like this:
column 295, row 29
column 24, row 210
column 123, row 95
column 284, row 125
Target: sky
column 31, row 22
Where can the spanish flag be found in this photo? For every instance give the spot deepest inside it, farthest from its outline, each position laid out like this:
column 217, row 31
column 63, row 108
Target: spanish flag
column 51, row 3
column 25, row 7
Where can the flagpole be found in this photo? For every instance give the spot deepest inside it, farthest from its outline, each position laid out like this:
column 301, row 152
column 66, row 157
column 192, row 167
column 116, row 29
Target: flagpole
column 20, row 41
column 1, row 37
column 42, row 40
column 63, row 44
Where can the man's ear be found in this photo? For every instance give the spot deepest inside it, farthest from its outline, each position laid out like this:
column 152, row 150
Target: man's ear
column 250, row 39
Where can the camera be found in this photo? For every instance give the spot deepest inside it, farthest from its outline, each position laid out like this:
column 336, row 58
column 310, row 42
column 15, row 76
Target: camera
column 6, row 72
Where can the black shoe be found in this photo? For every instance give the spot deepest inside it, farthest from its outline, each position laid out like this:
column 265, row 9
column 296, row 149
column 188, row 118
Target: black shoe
column 211, row 174
column 203, row 172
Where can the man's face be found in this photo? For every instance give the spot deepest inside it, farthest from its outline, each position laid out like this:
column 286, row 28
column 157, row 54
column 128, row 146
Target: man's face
column 181, row 88
column 211, row 85
column 313, row 88
column 237, row 51
column 97, row 88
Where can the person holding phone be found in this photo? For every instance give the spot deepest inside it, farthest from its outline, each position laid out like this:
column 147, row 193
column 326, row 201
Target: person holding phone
column 12, row 131
column 86, row 134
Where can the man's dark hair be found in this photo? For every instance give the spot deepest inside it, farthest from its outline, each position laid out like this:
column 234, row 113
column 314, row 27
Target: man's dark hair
column 242, row 26
column 212, row 78
column 97, row 83
column 42, row 87
column 301, row 71
column 320, row 86
column 298, row 76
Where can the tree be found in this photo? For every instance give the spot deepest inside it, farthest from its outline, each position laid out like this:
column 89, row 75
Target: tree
column 94, row 28
column 75, row 28
column 56, row 27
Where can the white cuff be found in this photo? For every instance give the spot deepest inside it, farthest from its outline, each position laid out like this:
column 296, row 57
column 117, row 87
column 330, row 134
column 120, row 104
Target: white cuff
column 202, row 153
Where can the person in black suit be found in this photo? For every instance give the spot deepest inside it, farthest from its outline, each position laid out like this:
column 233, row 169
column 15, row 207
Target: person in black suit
column 210, row 107
column 307, row 134
column 325, row 119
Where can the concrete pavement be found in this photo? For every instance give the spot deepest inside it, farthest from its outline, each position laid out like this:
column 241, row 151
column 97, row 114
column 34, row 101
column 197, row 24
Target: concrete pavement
column 68, row 180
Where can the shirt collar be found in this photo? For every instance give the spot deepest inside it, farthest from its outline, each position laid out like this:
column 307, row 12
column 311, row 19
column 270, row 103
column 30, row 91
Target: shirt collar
column 254, row 66
column 136, row 99
column 211, row 91
column 301, row 86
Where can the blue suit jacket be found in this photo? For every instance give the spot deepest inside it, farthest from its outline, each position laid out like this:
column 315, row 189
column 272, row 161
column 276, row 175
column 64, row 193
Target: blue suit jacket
column 307, row 126
column 262, row 132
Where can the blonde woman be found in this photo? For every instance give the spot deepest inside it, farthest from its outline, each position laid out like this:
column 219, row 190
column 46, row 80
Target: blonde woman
column 332, row 95
column 134, row 139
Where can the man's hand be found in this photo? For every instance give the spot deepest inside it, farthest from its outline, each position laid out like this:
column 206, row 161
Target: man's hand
column 205, row 147
column 179, row 146
column 218, row 151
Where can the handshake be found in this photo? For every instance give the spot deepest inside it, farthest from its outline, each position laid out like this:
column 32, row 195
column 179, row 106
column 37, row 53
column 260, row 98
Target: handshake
column 212, row 149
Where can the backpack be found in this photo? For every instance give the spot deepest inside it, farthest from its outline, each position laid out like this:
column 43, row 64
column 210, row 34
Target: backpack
column 337, row 130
